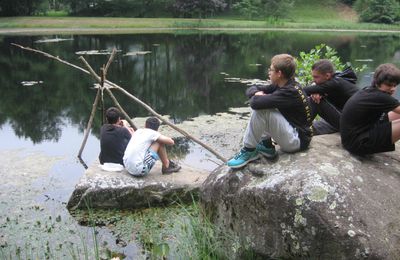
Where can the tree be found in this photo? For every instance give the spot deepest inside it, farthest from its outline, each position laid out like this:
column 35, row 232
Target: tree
column 378, row 11
column 198, row 8
column 21, row 7
column 263, row 8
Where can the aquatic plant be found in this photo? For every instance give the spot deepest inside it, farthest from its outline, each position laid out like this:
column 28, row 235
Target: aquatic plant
column 321, row 51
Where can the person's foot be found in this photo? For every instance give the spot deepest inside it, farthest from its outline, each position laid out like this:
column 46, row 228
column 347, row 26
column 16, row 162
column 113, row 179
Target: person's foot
column 243, row 158
column 267, row 151
column 173, row 167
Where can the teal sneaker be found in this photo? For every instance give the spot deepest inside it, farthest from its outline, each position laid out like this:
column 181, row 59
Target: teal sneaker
column 243, row 158
column 268, row 152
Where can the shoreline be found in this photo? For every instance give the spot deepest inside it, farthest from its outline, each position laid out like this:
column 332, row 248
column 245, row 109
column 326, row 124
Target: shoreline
column 107, row 30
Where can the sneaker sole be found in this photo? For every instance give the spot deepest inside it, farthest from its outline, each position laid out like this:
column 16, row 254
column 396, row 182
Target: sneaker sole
column 246, row 162
column 268, row 155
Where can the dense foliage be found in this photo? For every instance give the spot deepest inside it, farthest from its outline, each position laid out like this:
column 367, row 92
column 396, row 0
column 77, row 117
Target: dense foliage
column 148, row 8
column 378, row 11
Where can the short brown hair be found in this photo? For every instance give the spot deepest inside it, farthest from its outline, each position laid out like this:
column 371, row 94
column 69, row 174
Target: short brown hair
column 386, row 73
column 323, row 66
column 284, row 63
column 152, row 123
column 113, row 115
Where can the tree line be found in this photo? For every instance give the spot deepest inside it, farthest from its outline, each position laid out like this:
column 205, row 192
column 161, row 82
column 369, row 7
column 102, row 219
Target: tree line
column 378, row 11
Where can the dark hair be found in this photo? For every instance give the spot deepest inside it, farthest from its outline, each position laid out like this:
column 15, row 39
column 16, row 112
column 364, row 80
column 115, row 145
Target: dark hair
column 386, row 73
column 284, row 63
column 152, row 123
column 112, row 115
column 323, row 66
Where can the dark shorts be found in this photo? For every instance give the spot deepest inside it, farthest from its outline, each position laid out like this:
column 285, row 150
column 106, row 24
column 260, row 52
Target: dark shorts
column 376, row 140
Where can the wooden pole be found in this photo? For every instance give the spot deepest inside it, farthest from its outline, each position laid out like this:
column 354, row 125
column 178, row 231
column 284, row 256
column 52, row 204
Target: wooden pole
column 89, row 124
column 113, row 85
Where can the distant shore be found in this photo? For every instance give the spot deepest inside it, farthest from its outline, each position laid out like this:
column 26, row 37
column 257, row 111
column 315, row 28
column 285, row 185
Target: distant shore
column 97, row 25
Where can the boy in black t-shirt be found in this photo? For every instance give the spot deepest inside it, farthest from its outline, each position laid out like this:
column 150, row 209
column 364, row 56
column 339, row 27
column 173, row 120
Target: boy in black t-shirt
column 370, row 121
column 328, row 95
column 280, row 111
column 114, row 137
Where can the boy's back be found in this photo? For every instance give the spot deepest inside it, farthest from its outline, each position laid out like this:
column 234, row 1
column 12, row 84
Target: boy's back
column 137, row 147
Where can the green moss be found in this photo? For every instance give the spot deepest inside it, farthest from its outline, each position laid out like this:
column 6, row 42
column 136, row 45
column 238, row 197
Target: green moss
column 318, row 194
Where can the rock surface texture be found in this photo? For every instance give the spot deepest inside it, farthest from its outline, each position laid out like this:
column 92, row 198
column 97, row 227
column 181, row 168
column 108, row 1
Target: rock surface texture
column 119, row 190
column 323, row 203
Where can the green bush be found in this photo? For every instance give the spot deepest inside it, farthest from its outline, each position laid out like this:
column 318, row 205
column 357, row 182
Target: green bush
column 378, row 11
column 322, row 51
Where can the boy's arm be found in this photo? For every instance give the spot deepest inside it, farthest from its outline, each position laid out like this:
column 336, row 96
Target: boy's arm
column 165, row 140
column 125, row 124
column 396, row 110
column 256, row 88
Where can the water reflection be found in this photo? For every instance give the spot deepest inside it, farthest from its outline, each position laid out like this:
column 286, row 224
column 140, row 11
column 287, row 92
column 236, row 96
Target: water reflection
column 183, row 75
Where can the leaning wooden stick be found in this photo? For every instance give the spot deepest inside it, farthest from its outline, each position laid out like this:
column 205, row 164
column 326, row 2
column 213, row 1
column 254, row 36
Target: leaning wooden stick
column 111, row 84
column 89, row 124
column 103, row 78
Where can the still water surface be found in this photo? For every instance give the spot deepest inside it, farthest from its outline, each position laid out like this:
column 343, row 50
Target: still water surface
column 181, row 75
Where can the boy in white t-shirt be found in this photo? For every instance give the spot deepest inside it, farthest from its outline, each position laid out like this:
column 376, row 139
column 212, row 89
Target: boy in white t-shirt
column 145, row 148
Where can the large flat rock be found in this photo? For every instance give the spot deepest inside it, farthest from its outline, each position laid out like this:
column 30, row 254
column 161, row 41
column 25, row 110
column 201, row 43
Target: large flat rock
column 120, row 190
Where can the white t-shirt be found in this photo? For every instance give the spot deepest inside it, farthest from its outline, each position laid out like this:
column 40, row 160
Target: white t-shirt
column 137, row 147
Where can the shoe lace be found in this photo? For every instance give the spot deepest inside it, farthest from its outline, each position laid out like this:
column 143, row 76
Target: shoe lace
column 238, row 155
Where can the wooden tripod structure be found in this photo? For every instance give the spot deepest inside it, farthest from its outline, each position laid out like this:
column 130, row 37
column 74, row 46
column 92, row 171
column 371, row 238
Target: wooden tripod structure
column 107, row 85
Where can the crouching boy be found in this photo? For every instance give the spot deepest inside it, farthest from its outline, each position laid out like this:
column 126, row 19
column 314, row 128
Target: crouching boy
column 146, row 146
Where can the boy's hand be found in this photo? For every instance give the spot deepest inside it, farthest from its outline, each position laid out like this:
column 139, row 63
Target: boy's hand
column 316, row 98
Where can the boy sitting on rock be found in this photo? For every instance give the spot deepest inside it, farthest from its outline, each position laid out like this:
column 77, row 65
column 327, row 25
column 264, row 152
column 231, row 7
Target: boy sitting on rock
column 370, row 121
column 280, row 110
column 145, row 148
column 328, row 96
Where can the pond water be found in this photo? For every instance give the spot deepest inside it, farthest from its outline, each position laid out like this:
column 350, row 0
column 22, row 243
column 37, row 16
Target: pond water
column 45, row 105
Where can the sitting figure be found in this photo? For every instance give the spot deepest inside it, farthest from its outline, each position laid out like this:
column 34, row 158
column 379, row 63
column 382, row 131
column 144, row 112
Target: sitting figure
column 370, row 121
column 280, row 110
column 114, row 137
column 146, row 146
column 328, row 96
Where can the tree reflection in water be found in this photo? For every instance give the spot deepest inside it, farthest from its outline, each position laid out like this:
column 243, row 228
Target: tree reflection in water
column 183, row 76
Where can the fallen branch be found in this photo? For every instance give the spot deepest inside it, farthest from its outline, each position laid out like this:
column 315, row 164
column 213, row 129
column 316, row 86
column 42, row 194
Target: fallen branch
column 113, row 85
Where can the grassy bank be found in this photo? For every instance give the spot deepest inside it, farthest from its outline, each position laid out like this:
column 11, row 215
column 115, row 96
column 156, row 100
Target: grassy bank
column 170, row 23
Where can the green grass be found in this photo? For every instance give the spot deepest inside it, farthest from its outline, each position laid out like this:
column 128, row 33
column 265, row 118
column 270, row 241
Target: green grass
column 306, row 14
column 170, row 23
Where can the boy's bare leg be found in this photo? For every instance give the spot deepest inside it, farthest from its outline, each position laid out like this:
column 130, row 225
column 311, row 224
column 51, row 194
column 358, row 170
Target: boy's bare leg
column 162, row 153
column 393, row 116
column 395, row 130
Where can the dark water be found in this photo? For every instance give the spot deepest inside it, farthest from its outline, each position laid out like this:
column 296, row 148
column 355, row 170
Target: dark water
column 183, row 76
column 180, row 77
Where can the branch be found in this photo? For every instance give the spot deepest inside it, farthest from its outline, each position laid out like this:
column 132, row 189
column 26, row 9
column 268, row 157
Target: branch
column 89, row 125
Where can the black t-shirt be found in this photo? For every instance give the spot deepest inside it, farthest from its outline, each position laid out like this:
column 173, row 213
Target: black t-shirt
column 113, row 141
column 290, row 101
column 362, row 111
column 336, row 90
